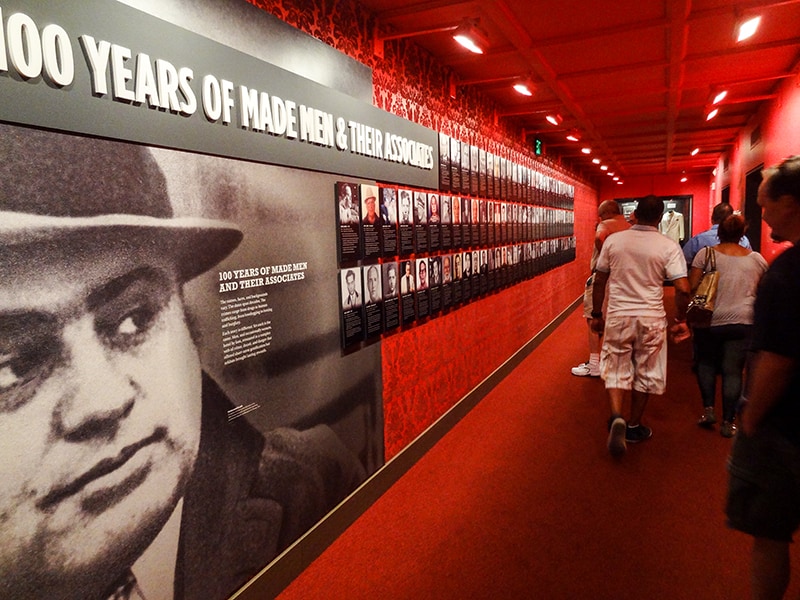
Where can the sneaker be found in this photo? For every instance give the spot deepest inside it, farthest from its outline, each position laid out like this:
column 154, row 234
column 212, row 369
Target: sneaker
column 584, row 370
column 708, row 419
column 728, row 429
column 616, row 437
column 637, row 434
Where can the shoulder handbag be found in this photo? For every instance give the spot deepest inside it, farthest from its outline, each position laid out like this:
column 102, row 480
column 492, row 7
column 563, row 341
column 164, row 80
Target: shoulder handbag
column 701, row 306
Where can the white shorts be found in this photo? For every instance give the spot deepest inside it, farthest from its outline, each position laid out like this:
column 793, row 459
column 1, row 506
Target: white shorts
column 587, row 297
column 634, row 354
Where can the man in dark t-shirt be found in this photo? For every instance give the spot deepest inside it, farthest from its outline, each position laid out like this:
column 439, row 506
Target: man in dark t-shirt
column 764, row 466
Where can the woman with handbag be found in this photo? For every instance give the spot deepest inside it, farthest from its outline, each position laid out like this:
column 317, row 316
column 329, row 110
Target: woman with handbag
column 720, row 348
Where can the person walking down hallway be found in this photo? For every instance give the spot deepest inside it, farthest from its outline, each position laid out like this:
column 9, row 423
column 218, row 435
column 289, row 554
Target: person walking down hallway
column 710, row 236
column 633, row 264
column 611, row 221
column 720, row 348
column 764, row 466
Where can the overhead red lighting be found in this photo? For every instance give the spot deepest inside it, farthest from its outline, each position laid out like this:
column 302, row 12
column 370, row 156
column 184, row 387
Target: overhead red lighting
column 471, row 37
column 712, row 114
column 524, row 88
column 748, row 29
column 555, row 119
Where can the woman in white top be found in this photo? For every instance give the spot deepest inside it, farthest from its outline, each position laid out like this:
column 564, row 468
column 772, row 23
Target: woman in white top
column 720, row 349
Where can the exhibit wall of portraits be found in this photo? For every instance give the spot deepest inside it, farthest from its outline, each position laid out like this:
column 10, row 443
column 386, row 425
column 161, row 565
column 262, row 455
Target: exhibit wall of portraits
column 213, row 297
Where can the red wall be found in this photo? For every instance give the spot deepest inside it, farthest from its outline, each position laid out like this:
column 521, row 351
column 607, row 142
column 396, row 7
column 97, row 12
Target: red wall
column 779, row 123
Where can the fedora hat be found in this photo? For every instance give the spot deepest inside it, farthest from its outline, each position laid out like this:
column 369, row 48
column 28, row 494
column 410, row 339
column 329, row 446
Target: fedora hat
column 61, row 186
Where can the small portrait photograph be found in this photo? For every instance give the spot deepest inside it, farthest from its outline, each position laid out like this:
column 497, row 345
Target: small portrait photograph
column 465, row 210
column 352, row 297
column 388, row 205
column 467, row 266
column 458, row 271
column 476, row 256
column 445, row 202
column 348, row 203
column 369, row 205
column 390, row 280
column 497, row 218
column 408, row 280
column 420, row 208
column 475, row 215
column 406, row 215
column 435, row 270
column 447, row 268
column 484, row 262
column 456, row 202
column 372, row 283
column 434, row 215
column 422, row 274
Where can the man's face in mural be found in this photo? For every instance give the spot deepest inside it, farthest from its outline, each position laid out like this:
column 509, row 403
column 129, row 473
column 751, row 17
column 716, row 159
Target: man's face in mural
column 100, row 387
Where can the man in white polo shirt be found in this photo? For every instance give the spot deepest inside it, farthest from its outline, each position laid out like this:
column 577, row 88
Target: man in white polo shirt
column 634, row 264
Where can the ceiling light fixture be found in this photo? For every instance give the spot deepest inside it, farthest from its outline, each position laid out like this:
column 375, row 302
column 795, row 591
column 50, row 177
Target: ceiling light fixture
column 748, row 29
column 694, row 152
column 720, row 97
column 573, row 136
column 469, row 35
column 554, row 119
column 586, row 150
column 604, row 167
column 684, row 179
column 524, row 87
column 596, row 161
column 712, row 114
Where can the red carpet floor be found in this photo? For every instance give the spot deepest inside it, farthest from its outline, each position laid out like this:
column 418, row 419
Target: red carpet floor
column 522, row 500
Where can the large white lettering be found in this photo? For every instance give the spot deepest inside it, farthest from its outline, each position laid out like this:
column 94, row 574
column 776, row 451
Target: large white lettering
column 33, row 55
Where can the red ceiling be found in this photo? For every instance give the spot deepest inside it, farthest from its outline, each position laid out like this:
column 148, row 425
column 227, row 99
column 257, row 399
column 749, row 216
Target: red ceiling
column 634, row 77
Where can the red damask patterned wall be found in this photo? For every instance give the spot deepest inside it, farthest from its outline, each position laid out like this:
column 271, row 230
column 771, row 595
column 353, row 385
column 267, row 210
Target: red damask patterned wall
column 429, row 367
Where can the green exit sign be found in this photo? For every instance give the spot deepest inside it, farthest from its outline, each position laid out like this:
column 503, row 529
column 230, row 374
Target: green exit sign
column 538, row 147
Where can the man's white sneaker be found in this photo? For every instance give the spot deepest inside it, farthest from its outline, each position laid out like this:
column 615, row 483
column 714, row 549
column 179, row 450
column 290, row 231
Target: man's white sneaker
column 584, row 370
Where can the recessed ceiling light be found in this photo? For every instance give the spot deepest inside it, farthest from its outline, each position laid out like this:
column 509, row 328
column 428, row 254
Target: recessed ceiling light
column 616, row 178
column 720, row 97
column 524, row 87
column 748, row 28
column 695, row 151
column 469, row 35
column 573, row 136
column 586, row 150
column 596, row 161
column 684, row 179
column 712, row 114
column 554, row 119
column 604, row 167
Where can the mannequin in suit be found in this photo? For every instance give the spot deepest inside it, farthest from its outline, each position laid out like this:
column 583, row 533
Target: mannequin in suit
column 672, row 225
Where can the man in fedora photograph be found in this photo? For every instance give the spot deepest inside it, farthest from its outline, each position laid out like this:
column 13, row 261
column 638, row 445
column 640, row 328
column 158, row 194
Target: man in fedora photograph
column 122, row 475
